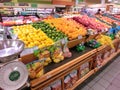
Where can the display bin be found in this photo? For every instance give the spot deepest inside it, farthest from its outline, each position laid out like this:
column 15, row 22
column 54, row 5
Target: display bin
column 105, row 54
column 58, row 73
column 77, row 80
column 116, row 43
column 75, row 42
column 91, row 37
column 99, row 58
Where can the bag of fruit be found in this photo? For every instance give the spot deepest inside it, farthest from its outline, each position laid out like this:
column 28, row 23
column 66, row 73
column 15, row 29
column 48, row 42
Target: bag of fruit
column 65, row 49
column 36, row 69
column 45, row 55
column 56, row 52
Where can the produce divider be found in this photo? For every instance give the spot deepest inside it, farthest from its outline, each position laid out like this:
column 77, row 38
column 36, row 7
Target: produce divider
column 59, row 71
column 111, row 16
column 75, row 42
column 102, row 21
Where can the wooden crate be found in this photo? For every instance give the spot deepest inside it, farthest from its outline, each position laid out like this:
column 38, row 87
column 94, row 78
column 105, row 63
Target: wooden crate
column 75, row 42
column 91, row 37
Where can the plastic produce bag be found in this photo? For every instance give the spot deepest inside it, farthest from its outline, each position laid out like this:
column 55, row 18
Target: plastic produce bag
column 57, row 85
column 74, row 77
column 56, row 52
column 36, row 69
column 67, row 82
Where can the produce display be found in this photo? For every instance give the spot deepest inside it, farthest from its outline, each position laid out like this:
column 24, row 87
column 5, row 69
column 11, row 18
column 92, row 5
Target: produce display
column 105, row 40
column 45, row 55
column 68, row 26
column 91, row 32
column 51, row 32
column 53, row 53
column 112, row 36
column 57, row 53
column 18, row 20
column 91, row 23
column 32, row 37
column 117, row 16
column 80, row 47
column 67, row 53
column 61, row 53
column 108, row 20
column 93, row 44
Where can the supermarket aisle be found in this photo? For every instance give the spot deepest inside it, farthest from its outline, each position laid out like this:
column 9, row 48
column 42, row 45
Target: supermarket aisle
column 107, row 79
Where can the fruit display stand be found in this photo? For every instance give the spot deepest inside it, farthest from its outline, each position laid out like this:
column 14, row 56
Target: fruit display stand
column 54, row 72
column 58, row 71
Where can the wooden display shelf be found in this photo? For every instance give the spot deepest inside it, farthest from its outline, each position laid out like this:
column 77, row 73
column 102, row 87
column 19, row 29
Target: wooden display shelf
column 60, row 69
column 91, row 37
column 75, row 42
column 108, row 59
column 82, row 80
column 63, row 74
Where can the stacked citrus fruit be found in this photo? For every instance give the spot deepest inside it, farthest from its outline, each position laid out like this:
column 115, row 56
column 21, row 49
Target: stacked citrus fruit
column 68, row 26
column 32, row 37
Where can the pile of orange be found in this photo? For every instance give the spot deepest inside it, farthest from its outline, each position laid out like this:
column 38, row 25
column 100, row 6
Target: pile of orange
column 68, row 26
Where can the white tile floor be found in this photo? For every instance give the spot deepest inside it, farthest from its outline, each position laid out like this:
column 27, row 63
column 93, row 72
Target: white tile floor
column 107, row 79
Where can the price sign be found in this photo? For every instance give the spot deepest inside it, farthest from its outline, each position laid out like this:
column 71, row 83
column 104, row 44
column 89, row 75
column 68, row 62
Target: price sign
column 28, row 21
column 95, row 32
column 34, row 5
column 63, row 41
column 106, row 29
column 102, row 30
column 79, row 37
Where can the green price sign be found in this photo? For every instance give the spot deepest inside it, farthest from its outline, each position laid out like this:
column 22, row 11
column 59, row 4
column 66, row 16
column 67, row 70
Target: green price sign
column 9, row 4
column 34, row 5
column 80, row 1
column 36, row 1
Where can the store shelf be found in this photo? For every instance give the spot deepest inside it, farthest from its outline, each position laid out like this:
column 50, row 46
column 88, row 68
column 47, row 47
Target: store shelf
column 82, row 80
column 105, row 47
column 107, row 60
column 75, row 42
column 53, row 71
